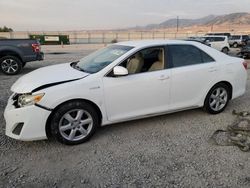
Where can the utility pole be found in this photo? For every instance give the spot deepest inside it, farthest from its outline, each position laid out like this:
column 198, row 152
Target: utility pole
column 177, row 24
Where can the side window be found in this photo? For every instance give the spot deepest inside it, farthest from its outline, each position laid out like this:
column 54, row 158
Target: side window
column 244, row 37
column 211, row 39
column 219, row 39
column 147, row 60
column 184, row 55
column 206, row 58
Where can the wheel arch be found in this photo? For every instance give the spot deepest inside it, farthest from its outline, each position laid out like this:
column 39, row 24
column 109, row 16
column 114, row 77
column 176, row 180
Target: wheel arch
column 4, row 53
column 225, row 47
column 97, row 108
column 227, row 83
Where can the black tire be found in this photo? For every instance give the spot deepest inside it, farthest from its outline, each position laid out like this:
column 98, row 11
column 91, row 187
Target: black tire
column 67, row 108
column 225, row 50
column 209, row 100
column 24, row 63
column 10, row 65
column 235, row 45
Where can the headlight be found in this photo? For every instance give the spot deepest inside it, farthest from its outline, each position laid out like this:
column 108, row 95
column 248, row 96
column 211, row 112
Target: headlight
column 29, row 99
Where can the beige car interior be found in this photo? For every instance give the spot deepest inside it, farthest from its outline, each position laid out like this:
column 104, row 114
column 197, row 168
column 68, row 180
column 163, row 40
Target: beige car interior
column 135, row 64
column 158, row 65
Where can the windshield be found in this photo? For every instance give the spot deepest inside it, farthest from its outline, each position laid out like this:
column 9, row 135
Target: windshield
column 100, row 59
column 235, row 37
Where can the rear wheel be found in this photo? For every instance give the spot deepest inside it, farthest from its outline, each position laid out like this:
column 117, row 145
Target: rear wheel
column 235, row 45
column 10, row 65
column 225, row 50
column 74, row 122
column 217, row 99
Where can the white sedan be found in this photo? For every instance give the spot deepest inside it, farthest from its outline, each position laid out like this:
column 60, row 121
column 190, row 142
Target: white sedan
column 121, row 82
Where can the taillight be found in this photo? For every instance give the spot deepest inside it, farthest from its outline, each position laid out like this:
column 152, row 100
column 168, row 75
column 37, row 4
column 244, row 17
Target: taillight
column 245, row 64
column 36, row 47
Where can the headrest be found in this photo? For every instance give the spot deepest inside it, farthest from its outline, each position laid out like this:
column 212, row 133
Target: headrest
column 138, row 55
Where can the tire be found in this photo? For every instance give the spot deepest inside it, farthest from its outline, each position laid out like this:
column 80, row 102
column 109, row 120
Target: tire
column 23, row 64
column 225, row 50
column 215, row 102
column 10, row 65
column 235, row 45
column 68, row 126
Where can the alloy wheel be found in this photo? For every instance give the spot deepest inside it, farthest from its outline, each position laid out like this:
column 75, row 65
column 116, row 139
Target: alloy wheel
column 9, row 66
column 218, row 99
column 75, row 124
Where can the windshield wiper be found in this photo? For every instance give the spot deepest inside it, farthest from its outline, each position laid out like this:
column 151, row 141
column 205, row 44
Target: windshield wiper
column 75, row 66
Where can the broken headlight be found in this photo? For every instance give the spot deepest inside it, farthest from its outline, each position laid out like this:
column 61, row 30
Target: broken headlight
column 29, row 99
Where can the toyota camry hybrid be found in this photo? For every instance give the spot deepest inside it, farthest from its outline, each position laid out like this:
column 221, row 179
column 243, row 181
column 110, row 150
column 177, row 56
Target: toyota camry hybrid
column 121, row 82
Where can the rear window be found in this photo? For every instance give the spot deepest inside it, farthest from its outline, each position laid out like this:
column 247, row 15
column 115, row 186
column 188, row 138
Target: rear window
column 184, row 55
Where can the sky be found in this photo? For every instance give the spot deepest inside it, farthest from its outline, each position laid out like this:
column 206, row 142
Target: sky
column 55, row 15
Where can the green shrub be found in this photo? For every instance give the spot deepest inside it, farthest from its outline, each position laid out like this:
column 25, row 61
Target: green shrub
column 5, row 29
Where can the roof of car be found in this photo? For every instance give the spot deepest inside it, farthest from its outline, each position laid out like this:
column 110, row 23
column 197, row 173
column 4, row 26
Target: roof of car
column 215, row 36
column 142, row 43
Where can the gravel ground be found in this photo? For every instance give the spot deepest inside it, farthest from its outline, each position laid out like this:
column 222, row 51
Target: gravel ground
column 165, row 151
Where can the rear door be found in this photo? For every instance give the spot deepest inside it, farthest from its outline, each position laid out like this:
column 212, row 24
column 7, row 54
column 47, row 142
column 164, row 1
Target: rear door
column 192, row 71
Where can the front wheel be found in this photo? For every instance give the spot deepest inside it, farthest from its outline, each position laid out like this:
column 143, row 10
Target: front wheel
column 24, row 63
column 74, row 122
column 217, row 99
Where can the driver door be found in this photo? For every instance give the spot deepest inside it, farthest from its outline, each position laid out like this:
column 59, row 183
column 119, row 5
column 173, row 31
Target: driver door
column 140, row 94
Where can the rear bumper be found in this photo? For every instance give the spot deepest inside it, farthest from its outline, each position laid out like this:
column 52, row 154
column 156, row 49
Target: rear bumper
column 34, row 57
column 40, row 56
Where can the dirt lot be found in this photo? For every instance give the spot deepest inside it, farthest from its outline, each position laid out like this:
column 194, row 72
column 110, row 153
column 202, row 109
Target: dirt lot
column 165, row 151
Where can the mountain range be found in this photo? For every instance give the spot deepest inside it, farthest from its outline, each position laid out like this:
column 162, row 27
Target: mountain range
column 234, row 18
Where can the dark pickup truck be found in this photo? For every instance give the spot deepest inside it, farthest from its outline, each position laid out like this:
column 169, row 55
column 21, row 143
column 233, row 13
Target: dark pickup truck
column 15, row 53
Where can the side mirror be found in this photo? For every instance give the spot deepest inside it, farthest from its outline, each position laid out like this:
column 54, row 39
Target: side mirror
column 120, row 71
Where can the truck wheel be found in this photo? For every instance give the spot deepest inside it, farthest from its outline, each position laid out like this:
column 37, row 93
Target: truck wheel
column 24, row 63
column 10, row 65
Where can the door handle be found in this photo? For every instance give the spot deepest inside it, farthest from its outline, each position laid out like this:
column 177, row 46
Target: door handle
column 162, row 77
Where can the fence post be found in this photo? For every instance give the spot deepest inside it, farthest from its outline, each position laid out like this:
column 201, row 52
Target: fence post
column 75, row 37
column 103, row 38
column 128, row 36
column 89, row 35
column 11, row 35
column 116, row 36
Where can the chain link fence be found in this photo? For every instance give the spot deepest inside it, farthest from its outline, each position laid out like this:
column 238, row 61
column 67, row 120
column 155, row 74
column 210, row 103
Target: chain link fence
column 103, row 37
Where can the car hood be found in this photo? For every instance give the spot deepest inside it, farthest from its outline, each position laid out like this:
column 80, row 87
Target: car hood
column 47, row 77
